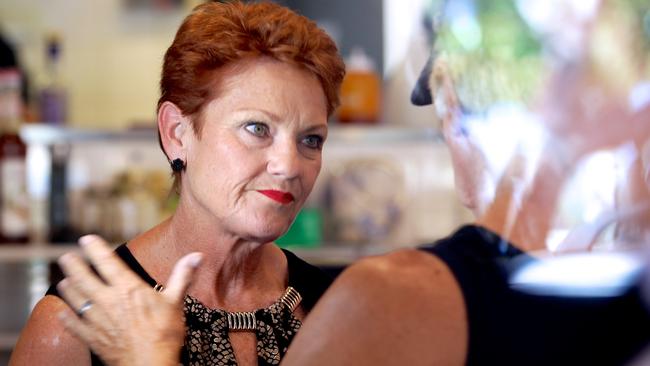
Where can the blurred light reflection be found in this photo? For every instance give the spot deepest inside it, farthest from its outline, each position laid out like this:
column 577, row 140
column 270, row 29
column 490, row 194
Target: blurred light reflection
column 560, row 22
column 579, row 275
column 467, row 31
column 640, row 96
column 464, row 25
column 506, row 130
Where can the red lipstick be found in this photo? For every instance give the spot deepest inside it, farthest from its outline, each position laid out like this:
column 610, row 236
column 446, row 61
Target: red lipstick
column 278, row 196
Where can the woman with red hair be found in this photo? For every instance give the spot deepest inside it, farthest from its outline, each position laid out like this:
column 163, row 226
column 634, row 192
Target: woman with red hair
column 484, row 295
column 246, row 92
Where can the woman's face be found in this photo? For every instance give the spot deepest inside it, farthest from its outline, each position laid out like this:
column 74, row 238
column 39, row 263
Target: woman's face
column 259, row 151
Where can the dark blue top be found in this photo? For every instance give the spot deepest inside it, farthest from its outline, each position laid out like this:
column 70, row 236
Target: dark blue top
column 509, row 327
column 308, row 280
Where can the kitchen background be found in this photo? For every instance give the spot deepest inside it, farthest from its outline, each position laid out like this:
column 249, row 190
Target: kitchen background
column 92, row 161
column 91, row 71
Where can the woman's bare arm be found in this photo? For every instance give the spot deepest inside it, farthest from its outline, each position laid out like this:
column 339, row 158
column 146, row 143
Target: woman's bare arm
column 399, row 309
column 45, row 341
column 126, row 324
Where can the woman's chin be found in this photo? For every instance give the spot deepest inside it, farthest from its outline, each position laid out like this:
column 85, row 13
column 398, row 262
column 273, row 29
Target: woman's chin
column 259, row 226
column 266, row 235
column 265, row 239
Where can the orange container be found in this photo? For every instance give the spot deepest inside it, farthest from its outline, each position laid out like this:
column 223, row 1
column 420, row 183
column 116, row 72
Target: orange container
column 360, row 91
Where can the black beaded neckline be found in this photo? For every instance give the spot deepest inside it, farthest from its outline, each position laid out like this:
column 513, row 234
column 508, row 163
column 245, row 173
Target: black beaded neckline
column 246, row 320
column 207, row 341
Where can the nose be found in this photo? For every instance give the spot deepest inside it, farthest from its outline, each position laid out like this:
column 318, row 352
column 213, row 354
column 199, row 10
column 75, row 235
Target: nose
column 284, row 160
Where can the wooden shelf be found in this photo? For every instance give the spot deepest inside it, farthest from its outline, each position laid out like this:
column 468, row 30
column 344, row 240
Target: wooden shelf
column 43, row 134
column 34, row 251
column 327, row 255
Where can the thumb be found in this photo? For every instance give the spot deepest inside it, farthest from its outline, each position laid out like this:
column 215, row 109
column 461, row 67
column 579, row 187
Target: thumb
column 181, row 276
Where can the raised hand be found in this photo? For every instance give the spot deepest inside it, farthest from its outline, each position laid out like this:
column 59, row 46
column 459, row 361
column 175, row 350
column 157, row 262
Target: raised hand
column 119, row 316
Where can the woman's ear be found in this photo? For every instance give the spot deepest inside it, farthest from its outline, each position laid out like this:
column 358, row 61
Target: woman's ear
column 172, row 126
column 472, row 174
column 443, row 93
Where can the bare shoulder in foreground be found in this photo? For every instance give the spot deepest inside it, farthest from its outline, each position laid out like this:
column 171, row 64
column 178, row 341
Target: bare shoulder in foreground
column 406, row 305
column 44, row 340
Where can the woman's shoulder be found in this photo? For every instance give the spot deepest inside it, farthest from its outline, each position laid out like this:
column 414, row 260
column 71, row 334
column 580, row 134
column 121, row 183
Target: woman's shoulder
column 472, row 242
column 406, row 303
column 481, row 262
column 310, row 281
column 127, row 257
column 478, row 258
column 44, row 340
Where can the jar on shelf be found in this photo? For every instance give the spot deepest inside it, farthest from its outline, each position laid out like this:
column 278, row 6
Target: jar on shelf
column 360, row 90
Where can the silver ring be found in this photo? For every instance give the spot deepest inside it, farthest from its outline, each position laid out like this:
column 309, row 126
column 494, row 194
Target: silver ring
column 84, row 307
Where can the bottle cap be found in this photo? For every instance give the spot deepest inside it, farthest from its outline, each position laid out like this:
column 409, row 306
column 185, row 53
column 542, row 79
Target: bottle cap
column 360, row 61
column 53, row 46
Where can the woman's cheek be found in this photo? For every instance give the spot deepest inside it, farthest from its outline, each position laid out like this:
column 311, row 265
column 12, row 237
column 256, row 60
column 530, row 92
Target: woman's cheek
column 645, row 162
column 312, row 176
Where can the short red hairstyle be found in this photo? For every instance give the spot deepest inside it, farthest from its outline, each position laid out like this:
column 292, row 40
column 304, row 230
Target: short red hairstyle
column 216, row 34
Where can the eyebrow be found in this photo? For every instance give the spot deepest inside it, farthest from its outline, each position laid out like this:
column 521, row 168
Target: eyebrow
column 269, row 114
column 317, row 128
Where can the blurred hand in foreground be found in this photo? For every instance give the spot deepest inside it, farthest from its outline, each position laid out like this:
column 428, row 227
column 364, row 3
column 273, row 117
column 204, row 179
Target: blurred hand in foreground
column 119, row 316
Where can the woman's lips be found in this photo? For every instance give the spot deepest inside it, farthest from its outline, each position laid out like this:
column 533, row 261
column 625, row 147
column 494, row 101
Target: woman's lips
column 278, row 196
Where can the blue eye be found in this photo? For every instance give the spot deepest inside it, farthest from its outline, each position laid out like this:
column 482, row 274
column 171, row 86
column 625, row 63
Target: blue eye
column 313, row 142
column 257, row 128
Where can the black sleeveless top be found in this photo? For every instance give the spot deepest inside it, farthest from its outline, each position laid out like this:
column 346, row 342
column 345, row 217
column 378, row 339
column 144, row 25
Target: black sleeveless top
column 309, row 281
column 510, row 327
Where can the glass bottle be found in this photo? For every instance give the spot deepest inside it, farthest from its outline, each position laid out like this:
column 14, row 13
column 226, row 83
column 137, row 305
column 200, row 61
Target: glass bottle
column 14, row 201
column 53, row 97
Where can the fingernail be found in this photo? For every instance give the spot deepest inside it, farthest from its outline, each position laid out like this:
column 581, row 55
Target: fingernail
column 86, row 239
column 195, row 259
column 64, row 258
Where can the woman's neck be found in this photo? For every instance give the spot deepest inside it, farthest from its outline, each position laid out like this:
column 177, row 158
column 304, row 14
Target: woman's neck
column 235, row 274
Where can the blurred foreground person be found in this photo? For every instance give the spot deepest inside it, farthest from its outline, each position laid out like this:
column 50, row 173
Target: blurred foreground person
column 246, row 92
column 486, row 295
column 470, row 298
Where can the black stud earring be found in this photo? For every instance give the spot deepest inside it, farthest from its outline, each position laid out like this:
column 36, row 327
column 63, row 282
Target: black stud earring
column 177, row 165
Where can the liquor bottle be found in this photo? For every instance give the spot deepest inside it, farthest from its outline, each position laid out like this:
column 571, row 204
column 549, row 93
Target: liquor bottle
column 53, row 97
column 59, row 212
column 360, row 90
column 14, row 201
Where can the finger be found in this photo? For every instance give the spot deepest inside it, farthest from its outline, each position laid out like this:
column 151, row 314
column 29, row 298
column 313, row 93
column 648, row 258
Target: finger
column 72, row 296
column 109, row 266
column 79, row 274
column 76, row 300
column 181, row 276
